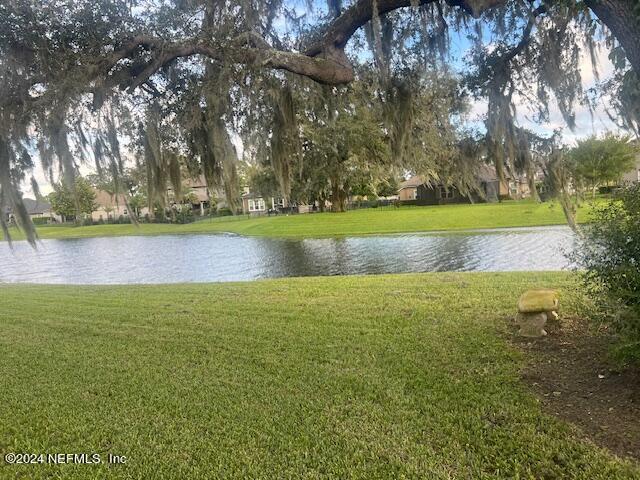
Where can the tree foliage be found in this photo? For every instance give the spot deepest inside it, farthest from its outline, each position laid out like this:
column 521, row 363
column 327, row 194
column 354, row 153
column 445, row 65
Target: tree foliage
column 610, row 255
column 70, row 203
column 182, row 79
column 597, row 161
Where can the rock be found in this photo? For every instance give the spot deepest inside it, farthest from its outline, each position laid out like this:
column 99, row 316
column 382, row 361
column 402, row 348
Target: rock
column 538, row 300
column 531, row 324
column 535, row 307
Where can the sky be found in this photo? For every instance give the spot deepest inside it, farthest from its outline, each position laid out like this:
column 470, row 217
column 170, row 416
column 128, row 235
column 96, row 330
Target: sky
column 586, row 125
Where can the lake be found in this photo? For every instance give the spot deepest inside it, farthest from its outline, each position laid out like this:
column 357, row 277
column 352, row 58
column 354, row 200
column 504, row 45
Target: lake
column 227, row 257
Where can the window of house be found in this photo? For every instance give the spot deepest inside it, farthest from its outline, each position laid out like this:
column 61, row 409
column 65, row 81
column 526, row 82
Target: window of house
column 446, row 192
column 256, row 205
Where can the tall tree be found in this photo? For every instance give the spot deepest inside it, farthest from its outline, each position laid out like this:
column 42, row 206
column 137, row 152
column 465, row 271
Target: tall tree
column 76, row 76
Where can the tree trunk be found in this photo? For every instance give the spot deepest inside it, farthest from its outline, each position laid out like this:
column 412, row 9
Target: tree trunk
column 623, row 19
column 531, row 178
column 338, row 195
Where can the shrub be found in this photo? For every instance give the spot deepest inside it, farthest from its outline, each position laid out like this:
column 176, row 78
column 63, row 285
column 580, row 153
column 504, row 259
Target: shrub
column 184, row 215
column 224, row 212
column 609, row 252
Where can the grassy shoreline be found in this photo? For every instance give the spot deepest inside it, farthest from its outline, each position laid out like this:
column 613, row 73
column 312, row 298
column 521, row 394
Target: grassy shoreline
column 354, row 223
column 284, row 378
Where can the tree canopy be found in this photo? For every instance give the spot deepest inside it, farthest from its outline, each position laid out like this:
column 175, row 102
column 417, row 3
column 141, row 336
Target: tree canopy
column 600, row 160
column 173, row 82
column 68, row 203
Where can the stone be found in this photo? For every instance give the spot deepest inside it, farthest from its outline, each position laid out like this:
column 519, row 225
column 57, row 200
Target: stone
column 538, row 300
column 535, row 307
column 531, row 324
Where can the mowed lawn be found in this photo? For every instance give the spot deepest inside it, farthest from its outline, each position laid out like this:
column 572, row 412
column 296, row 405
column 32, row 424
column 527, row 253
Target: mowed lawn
column 403, row 376
column 356, row 222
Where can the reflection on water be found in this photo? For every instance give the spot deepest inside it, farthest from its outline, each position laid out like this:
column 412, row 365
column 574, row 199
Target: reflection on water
column 213, row 258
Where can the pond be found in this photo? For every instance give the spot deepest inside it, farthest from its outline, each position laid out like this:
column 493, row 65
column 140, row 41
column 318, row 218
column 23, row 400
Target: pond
column 226, row 257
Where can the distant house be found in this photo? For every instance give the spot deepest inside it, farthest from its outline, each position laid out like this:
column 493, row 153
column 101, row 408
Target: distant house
column 37, row 209
column 416, row 189
column 408, row 190
column 633, row 175
column 40, row 209
column 254, row 204
column 200, row 190
column 491, row 189
column 109, row 206
column 513, row 187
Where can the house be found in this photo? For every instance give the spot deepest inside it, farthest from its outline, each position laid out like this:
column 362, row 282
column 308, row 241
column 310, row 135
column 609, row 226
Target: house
column 199, row 193
column 37, row 209
column 633, row 175
column 109, row 206
column 408, row 190
column 254, row 204
column 513, row 187
column 40, row 209
column 491, row 189
column 416, row 190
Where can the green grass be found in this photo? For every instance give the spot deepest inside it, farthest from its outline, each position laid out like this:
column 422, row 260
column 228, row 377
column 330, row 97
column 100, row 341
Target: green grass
column 356, row 222
column 403, row 376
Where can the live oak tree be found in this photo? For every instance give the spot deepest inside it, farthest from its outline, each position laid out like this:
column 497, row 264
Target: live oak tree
column 182, row 77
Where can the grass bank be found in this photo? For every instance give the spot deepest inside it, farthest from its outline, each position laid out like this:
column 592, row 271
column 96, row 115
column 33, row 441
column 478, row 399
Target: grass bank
column 356, row 222
column 345, row 377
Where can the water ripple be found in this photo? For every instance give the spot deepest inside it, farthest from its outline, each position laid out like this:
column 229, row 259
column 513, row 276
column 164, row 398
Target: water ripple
column 220, row 258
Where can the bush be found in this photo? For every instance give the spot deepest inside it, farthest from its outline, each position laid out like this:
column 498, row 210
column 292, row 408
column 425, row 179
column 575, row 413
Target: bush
column 610, row 254
column 224, row 212
column 184, row 215
column 40, row 220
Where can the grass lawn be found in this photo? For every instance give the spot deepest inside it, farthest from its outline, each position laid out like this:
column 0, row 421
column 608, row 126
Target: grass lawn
column 403, row 376
column 355, row 222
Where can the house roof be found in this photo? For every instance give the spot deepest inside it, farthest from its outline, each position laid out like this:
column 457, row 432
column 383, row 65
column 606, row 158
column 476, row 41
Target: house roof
column 35, row 207
column 105, row 199
column 487, row 173
column 484, row 173
column 251, row 195
column 413, row 182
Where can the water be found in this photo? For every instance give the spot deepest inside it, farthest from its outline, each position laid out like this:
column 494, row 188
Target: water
column 226, row 257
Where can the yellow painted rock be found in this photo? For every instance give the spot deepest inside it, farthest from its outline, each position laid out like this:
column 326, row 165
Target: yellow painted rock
column 538, row 300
